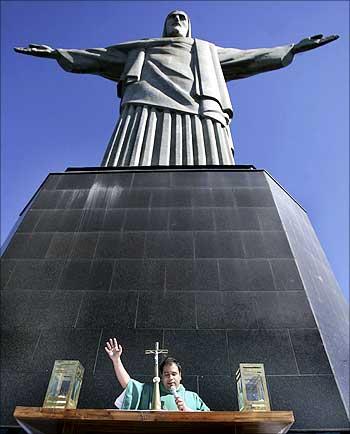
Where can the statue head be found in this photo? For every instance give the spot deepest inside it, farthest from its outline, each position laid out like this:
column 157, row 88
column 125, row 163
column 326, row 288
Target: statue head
column 177, row 23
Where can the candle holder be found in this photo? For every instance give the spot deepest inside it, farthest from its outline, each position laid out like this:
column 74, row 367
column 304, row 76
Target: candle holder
column 64, row 385
column 252, row 388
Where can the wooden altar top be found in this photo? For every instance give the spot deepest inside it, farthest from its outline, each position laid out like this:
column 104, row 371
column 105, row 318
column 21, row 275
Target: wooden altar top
column 87, row 421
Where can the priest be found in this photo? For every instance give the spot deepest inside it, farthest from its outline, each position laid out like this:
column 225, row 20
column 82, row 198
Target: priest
column 138, row 396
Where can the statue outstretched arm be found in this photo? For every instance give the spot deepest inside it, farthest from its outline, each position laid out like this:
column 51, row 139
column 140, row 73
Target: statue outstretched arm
column 106, row 62
column 313, row 42
column 238, row 64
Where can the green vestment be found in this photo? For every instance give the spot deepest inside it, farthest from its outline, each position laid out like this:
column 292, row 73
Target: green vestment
column 138, row 396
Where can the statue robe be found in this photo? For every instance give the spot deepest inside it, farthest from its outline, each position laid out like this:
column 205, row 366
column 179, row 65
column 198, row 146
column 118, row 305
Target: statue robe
column 175, row 107
column 138, row 396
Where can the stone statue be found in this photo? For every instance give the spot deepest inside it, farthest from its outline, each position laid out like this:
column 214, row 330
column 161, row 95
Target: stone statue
column 175, row 107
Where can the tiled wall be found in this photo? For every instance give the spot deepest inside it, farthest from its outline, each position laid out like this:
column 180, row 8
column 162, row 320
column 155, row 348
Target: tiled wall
column 198, row 261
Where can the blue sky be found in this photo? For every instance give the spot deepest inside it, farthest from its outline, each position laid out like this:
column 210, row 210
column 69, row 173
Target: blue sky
column 292, row 122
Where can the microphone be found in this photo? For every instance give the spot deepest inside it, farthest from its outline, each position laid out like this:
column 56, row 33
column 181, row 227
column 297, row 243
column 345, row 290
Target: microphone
column 173, row 391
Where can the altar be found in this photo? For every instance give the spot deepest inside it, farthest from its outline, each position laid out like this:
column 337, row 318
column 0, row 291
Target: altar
column 38, row 420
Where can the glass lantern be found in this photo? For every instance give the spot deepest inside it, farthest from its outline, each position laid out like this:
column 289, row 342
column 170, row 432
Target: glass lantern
column 65, row 383
column 252, row 388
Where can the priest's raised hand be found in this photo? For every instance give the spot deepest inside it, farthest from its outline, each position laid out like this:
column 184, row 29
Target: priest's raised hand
column 114, row 351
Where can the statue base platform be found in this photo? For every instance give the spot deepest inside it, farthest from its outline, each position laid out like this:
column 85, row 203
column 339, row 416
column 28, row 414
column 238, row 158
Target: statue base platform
column 220, row 265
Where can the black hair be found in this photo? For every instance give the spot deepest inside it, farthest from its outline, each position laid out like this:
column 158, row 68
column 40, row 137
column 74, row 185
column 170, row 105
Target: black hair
column 169, row 361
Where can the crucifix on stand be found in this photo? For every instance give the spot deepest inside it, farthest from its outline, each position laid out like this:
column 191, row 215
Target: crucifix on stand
column 156, row 380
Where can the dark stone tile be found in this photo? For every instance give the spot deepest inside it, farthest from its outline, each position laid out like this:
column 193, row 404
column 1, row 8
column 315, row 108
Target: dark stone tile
column 218, row 245
column 192, row 275
column 59, row 221
column 284, row 310
column 188, row 219
column 98, row 197
column 116, row 180
column 16, row 247
column 60, row 246
column 169, row 245
column 319, row 392
column 21, row 388
column 63, row 309
column 134, row 343
column 130, row 199
column 51, row 181
column 151, row 179
column 100, row 275
column 61, row 343
column 76, row 199
column 245, row 275
column 108, row 245
column 6, row 270
column 164, row 198
column 37, row 245
column 139, row 275
column 132, row 245
column 191, row 347
column 108, row 310
column 75, row 275
column 202, row 198
column 28, row 246
column 286, row 274
column 189, row 179
column 223, row 197
column 17, row 347
column 236, row 219
column 269, row 219
column 273, row 348
column 27, row 308
column 92, row 220
column 225, row 310
column 226, row 399
column 136, row 219
column 180, row 219
column 29, row 221
column 228, row 179
column 310, row 352
column 84, row 245
column 268, row 244
column 166, row 310
column 203, row 219
column 158, row 219
column 96, row 392
column 46, row 199
column 66, row 198
column 51, row 221
column 114, row 220
column 253, row 197
column 38, row 275
column 70, row 181
column 257, row 179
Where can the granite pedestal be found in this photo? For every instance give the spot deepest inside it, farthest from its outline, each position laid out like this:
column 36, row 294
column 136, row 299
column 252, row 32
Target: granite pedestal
column 221, row 266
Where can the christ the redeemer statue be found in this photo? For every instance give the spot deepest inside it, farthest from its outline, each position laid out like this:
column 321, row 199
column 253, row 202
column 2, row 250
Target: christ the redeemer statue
column 175, row 107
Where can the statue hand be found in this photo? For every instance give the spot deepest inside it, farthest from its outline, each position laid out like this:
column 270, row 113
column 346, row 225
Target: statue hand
column 313, row 42
column 37, row 50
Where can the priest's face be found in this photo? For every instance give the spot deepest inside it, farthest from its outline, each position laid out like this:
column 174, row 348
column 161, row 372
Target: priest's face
column 177, row 24
column 171, row 376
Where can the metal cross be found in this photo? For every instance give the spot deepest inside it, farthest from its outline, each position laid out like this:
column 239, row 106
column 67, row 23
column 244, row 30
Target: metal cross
column 156, row 351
